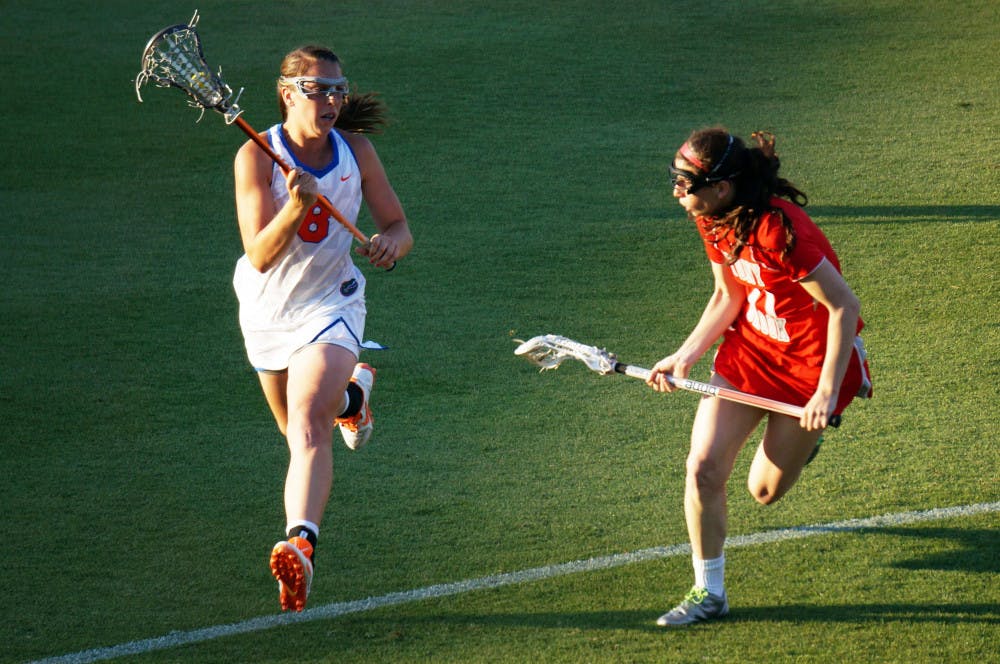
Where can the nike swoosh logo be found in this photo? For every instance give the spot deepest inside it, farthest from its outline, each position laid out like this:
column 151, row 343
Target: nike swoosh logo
column 344, row 178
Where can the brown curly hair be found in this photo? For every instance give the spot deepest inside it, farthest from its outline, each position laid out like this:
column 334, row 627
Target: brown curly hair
column 754, row 174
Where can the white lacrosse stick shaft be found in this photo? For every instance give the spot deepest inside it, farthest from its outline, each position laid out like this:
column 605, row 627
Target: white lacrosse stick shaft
column 715, row 391
column 549, row 350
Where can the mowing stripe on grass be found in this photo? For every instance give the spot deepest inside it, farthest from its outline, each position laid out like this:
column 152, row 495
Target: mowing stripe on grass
column 175, row 639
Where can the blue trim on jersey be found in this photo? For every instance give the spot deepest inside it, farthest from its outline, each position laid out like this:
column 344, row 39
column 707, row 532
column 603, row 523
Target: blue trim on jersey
column 316, row 173
column 339, row 321
column 334, row 324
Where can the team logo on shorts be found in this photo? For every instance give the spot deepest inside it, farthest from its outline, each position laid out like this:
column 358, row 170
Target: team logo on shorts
column 349, row 287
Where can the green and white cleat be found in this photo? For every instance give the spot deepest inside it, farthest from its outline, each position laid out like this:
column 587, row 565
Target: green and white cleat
column 698, row 606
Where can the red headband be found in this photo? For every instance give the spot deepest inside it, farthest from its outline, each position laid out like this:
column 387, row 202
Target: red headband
column 689, row 156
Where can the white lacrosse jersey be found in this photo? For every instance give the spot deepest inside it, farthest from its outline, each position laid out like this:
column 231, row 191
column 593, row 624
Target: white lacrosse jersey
column 316, row 276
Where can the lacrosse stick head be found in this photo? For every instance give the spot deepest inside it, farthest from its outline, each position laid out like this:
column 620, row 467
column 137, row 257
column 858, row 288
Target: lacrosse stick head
column 174, row 58
column 549, row 350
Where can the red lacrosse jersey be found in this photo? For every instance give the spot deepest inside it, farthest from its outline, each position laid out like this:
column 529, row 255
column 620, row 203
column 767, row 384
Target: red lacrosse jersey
column 776, row 346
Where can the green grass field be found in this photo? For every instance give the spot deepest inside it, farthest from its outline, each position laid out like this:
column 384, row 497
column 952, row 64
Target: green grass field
column 142, row 473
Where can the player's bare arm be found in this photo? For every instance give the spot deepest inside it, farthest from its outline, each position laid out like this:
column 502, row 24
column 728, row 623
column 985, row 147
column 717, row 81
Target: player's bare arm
column 393, row 240
column 828, row 287
column 722, row 308
column 265, row 231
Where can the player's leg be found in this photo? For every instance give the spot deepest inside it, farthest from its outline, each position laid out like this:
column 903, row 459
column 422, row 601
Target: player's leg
column 779, row 459
column 275, row 386
column 316, row 393
column 719, row 432
column 317, row 380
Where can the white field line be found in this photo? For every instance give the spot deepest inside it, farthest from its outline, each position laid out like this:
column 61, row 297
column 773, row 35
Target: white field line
column 175, row 639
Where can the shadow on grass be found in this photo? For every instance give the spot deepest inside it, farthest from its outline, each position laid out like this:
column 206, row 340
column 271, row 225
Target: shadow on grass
column 988, row 614
column 977, row 552
column 833, row 214
column 645, row 621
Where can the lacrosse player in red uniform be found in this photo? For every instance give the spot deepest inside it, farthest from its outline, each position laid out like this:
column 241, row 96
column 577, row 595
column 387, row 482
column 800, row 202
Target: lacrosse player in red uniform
column 302, row 303
column 788, row 322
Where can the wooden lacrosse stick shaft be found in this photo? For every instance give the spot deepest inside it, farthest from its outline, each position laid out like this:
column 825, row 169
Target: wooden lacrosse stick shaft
column 322, row 200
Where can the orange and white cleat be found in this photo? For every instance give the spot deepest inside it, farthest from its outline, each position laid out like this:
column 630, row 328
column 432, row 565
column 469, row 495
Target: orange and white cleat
column 357, row 430
column 292, row 567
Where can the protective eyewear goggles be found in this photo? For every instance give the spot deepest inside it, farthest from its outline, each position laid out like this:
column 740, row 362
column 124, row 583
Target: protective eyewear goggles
column 689, row 181
column 315, row 87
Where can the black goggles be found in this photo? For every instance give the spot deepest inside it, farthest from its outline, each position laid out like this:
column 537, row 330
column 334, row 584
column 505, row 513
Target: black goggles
column 687, row 181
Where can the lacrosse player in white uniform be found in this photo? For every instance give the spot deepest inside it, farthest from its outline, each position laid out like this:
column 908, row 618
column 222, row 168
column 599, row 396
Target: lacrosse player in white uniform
column 302, row 303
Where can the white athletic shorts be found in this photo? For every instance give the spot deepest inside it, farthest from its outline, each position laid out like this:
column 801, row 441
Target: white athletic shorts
column 270, row 350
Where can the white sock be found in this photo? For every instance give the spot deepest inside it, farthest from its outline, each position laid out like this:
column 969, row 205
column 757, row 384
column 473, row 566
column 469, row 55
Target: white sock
column 302, row 523
column 710, row 574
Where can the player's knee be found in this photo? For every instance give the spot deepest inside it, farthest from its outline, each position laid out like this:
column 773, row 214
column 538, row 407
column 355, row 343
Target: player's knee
column 308, row 430
column 763, row 493
column 705, row 475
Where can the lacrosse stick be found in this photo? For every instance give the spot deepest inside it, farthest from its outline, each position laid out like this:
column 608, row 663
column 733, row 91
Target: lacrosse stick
column 173, row 57
column 548, row 351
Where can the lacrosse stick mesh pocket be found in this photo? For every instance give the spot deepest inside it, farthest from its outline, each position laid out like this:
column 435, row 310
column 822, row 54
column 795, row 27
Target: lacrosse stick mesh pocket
column 174, row 57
